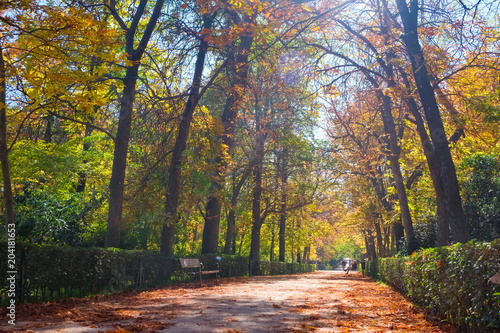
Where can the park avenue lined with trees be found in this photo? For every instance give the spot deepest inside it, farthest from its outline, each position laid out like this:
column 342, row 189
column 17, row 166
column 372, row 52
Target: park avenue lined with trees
column 280, row 131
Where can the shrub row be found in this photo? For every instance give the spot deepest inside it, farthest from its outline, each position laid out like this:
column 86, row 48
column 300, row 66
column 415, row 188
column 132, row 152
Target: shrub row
column 279, row 268
column 51, row 272
column 450, row 281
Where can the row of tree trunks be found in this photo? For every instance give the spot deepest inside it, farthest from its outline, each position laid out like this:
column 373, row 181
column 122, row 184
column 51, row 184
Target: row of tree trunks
column 370, row 245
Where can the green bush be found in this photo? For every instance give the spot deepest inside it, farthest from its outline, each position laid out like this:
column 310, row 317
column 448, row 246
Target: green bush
column 481, row 193
column 52, row 272
column 371, row 269
column 452, row 282
column 280, row 268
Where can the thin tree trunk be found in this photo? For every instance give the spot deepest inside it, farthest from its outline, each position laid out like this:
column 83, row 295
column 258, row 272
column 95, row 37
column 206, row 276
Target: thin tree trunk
column 256, row 207
column 393, row 240
column 393, row 157
column 282, row 225
column 273, row 236
column 450, row 187
column 305, row 257
column 387, row 242
column 231, row 224
column 4, row 149
column 380, row 245
column 231, row 219
column 82, row 175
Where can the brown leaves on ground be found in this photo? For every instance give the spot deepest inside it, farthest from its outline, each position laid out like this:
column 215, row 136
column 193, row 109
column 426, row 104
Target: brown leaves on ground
column 317, row 302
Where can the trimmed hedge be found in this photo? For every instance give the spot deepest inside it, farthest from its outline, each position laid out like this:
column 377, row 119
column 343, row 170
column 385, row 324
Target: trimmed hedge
column 280, row 268
column 450, row 281
column 51, row 272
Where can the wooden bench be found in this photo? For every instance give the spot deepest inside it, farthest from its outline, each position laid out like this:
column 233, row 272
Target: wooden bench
column 195, row 267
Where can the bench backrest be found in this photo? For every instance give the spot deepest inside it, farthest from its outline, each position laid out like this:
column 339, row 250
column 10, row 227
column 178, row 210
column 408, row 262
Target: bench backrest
column 190, row 263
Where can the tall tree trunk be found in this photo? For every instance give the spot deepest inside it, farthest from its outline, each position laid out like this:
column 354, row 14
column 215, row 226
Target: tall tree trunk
column 447, row 172
column 433, row 165
column 387, row 241
column 213, row 207
column 273, row 236
column 174, row 176
column 305, row 257
column 47, row 136
column 393, row 157
column 117, row 182
column 230, row 235
column 231, row 219
column 256, row 207
column 380, row 245
column 134, row 55
column 393, row 154
column 82, row 175
column 382, row 196
column 282, row 225
column 4, row 149
column 370, row 244
column 399, row 234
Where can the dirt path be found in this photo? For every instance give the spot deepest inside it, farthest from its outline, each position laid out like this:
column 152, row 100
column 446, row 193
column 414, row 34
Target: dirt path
column 322, row 301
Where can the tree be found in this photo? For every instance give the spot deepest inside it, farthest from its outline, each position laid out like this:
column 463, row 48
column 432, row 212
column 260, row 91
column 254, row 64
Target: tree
column 447, row 173
column 237, row 57
column 173, row 189
column 38, row 43
column 134, row 55
column 4, row 149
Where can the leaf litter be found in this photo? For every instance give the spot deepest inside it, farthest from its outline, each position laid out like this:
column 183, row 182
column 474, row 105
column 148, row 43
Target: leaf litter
column 323, row 301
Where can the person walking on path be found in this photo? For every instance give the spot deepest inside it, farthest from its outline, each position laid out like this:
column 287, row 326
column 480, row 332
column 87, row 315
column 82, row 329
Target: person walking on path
column 348, row 268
